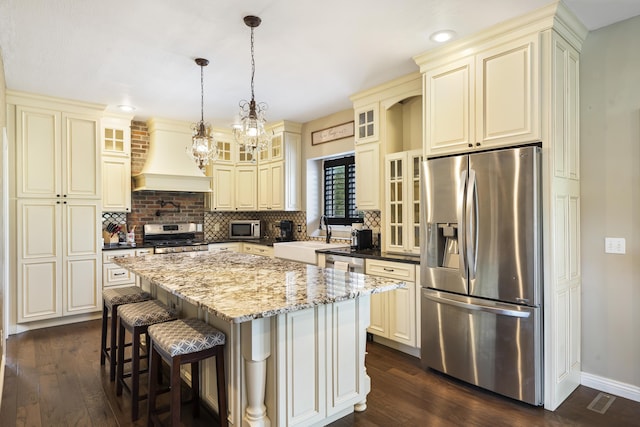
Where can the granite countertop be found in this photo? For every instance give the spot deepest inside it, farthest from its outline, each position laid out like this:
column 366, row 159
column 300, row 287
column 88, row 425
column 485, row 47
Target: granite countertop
column 372, row 254
column 242, row 287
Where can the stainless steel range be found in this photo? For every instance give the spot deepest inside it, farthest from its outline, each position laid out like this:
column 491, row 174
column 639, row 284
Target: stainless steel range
column 172, row 238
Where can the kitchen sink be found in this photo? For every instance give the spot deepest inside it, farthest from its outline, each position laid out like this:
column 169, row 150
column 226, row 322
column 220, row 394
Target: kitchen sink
column 303, row 251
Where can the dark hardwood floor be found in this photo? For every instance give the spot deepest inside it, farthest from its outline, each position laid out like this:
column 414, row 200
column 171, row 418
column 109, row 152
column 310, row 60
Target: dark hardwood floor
column 53, row 377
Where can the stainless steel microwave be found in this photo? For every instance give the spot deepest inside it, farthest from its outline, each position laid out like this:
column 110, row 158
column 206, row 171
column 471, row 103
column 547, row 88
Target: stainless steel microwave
column 245, row 229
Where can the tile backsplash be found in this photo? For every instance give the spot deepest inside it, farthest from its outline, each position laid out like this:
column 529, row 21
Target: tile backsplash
column 216, row 224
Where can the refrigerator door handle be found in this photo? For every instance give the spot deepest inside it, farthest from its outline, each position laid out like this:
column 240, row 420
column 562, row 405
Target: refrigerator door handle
column 471, row 229
column 477, row 307
column 462, row 244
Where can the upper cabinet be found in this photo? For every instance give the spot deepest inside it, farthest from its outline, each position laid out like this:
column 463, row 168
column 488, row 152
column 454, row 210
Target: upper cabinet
column 116, row 163
column 57, row 151
column 367, row 123
column 486, row 100
column 279, row 170
column 388, row 119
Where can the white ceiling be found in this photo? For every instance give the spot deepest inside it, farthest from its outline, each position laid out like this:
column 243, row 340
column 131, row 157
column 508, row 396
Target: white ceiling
column 310, row 55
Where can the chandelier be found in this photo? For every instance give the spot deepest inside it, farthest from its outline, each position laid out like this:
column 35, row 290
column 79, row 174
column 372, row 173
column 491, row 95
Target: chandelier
column 249, row 132
column 203, row 146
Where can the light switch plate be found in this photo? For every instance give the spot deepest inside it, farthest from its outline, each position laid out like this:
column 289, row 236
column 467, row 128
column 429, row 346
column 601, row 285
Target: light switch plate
column 615, row 245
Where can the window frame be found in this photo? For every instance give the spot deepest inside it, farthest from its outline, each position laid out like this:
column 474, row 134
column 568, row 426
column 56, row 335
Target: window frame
column 350, row 199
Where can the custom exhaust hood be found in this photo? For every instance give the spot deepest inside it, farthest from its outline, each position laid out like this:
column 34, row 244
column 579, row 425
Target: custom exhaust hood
column 168, row 167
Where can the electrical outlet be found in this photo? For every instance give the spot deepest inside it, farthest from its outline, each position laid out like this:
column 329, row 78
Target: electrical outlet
column 615, row 245
column 299, row 228
column 216, row 227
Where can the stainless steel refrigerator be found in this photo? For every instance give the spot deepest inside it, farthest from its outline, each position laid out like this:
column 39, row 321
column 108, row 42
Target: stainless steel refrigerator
column 481, row 294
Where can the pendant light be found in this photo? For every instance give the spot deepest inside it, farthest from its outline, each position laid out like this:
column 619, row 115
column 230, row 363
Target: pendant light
column 203, row 148
column 250, row 132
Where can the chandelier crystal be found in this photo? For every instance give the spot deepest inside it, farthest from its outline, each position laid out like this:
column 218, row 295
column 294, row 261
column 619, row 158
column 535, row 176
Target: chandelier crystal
column 204, row 148
column 250, row 131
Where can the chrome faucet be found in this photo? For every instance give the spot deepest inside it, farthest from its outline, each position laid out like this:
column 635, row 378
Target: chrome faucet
column 324, row 219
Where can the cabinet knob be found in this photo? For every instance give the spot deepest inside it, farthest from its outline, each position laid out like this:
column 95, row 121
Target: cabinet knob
column 470, row 145
column 58, row 202
column 57, row 195
column 477, row 144
column 64, row 195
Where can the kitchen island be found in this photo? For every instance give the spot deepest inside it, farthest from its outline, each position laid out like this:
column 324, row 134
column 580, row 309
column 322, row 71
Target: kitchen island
column 296, row 333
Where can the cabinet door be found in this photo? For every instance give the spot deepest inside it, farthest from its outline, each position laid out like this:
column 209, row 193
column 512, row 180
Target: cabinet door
column 303, row 349
column 395, row 230
column 39, row 254
column 80, row 157
column 402, row 315
column 414, row 159
column 245, row 188
column 223, row 187
column 277, row 186
column 82, row 274
column 507, row 103
column 264, row 189
column 367, row 176
column 116, row 184
column 345, row 357
column 38, row 152
column 367, row 123
column 449, row 112
column 379, row 316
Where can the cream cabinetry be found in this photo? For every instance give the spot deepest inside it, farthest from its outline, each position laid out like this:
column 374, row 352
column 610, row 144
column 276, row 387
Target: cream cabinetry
column 55, row 191
column 367, row 157
column 321, row 351
column 520, row 83
column 279, row 170
column 486, row 100
column 58, row 266
column 116, row 163
column 402, row 202
column 112, row 274
column 388, row 119
column 257, row 249
column 224, row 247
column 367, row 123
column 57, row 153
column 234, row 179
column 393, row 314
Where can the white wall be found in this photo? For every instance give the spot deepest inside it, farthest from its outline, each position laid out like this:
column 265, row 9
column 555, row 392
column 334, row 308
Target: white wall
column 4, row 243
column 610, row 182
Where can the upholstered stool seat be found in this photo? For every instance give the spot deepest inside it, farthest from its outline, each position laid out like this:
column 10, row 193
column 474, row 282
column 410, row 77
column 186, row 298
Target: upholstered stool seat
column 136, row 318
column 112, row 298
column 186, row 341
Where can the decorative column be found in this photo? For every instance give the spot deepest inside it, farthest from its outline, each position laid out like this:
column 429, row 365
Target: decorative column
column 256, row 348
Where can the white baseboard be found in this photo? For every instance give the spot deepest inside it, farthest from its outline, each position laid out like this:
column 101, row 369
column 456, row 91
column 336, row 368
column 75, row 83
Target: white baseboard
column 610, row 386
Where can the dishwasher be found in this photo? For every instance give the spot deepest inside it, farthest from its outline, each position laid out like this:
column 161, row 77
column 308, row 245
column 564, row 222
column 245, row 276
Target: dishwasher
column 343, row 262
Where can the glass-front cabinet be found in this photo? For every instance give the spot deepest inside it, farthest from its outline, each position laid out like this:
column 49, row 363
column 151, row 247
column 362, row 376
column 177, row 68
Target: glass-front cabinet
column 402, row 224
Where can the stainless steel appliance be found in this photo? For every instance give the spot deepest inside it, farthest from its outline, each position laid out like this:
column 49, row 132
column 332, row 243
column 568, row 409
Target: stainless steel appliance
column 481, row 270
column 286, row 231
column 246, row 229
column 171, row 238
column 345, row 262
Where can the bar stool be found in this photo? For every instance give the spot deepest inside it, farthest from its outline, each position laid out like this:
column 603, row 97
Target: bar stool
column 136, row 318
column 179, row 342
column 112, row 298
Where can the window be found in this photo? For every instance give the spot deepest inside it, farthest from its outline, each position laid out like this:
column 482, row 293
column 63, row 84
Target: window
column 340, row 191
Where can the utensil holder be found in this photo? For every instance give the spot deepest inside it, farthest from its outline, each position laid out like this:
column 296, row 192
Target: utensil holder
column 108, row 238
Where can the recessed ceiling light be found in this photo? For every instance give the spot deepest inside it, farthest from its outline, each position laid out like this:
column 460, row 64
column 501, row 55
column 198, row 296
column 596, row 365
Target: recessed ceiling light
column 127, row 108
column 442, row 36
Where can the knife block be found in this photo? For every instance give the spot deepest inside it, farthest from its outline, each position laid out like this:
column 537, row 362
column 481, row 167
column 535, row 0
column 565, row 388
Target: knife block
column 108, row 238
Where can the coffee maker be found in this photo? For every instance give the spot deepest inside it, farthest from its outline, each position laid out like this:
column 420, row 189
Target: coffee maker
column 286, row 231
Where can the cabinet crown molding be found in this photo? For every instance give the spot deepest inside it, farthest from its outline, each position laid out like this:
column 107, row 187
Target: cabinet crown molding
column 553, row 16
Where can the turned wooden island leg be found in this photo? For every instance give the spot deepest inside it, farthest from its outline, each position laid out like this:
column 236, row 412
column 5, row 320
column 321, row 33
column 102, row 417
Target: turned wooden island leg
column 256, row 348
